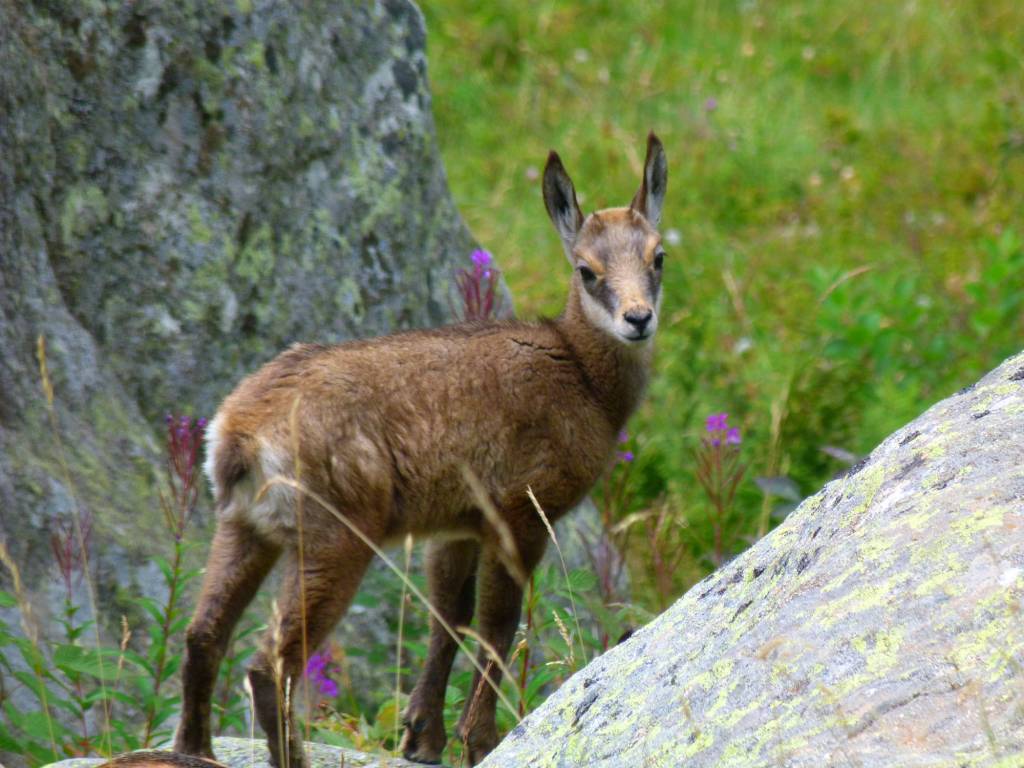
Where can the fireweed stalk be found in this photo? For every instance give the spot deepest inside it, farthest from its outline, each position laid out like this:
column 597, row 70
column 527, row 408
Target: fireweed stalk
column 478, row 287
column 71, row 561
column 184, row 439
column 719, row 472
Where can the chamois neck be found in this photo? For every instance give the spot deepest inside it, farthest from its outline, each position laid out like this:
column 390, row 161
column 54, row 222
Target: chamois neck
column 617, row 374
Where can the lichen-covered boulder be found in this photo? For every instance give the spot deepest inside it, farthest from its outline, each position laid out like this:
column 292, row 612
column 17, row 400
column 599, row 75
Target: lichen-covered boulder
column 185, row 190
column 252, row 753
column 211, row 182
column 880, row 625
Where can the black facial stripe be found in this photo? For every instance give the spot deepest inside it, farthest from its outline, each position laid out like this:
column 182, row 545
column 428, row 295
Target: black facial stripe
column 653, row 282
column 602, row 294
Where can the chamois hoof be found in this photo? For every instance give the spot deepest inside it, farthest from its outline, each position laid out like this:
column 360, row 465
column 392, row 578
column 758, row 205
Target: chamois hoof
column 296, row 758
column 420, row 743
column 183, row 745
column 479, row 744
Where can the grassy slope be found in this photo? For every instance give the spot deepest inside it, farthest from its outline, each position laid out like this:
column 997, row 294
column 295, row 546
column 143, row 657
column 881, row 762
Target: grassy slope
column 840, row 175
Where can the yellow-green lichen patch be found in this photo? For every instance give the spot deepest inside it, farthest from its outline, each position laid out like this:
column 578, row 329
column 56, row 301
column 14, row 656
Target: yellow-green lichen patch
column 702, row 740
column 717, row 672
column 864, row 485
column 942, row 577
column 885, row 654
column 729, row 720
column 724, row 697
column 968, row 525
column 859, row 599
column 987, row 651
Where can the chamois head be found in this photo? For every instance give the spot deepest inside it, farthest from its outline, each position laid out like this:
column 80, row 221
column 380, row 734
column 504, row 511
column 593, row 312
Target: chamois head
column 616, row 253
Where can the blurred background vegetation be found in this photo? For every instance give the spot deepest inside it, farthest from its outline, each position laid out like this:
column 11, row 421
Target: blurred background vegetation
column 843, row 217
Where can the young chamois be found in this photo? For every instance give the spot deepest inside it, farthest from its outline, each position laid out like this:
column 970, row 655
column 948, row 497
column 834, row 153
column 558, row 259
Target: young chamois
column 389, row 432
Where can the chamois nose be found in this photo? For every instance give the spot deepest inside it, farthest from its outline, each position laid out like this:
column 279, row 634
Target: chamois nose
column 639, row 318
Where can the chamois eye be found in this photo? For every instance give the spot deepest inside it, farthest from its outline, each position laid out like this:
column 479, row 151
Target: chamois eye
column 659, row 260
column 587, row 274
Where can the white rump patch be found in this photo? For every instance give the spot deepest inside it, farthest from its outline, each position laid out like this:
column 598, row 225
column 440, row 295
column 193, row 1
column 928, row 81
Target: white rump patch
column 214, row 438
column 273, row 512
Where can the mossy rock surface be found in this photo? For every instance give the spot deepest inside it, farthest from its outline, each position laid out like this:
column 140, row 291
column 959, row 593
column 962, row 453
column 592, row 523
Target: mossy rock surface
column 252, row 753
column 880, row 625
column 187, row 188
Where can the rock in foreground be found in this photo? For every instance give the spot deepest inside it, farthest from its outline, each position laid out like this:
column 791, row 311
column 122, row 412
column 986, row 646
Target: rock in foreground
column 881, row 625
column 246, row 753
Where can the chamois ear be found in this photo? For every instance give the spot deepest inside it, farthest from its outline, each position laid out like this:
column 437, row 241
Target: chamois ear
column 560, row 200
column 651, row 195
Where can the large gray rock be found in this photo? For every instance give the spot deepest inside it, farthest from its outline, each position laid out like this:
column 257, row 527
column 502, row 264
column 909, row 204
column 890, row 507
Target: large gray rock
column 880, row 625
column 186, row 189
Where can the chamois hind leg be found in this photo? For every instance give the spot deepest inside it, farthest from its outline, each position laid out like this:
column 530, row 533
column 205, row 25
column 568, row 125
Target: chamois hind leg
column 239, row 560
column 328, row 579
column 499, row 605
column 451, row 568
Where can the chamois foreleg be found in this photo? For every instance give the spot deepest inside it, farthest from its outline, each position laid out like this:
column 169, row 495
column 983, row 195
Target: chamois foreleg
column 499, row 605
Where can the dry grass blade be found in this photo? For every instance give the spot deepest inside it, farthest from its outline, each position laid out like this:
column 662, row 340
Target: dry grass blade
column 401, row 631
column 564, row 632
column 848, row 275
column 247, row 687
column 293, row 417
column 491, row 652
column 278, row 670
column 633, row 518
column 565, row 571
column 507, row 544
column 126, row 636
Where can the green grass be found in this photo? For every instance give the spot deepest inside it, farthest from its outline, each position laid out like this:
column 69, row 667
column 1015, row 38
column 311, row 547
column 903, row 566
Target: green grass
column 845, row 178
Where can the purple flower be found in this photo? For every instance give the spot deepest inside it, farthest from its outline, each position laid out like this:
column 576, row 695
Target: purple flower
column 482, row 258
column 711, row 104
column 717, row 424
column 317, row 673
column 625, row 456
column 623, row 436
column 717, row 421
column 478, row 287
